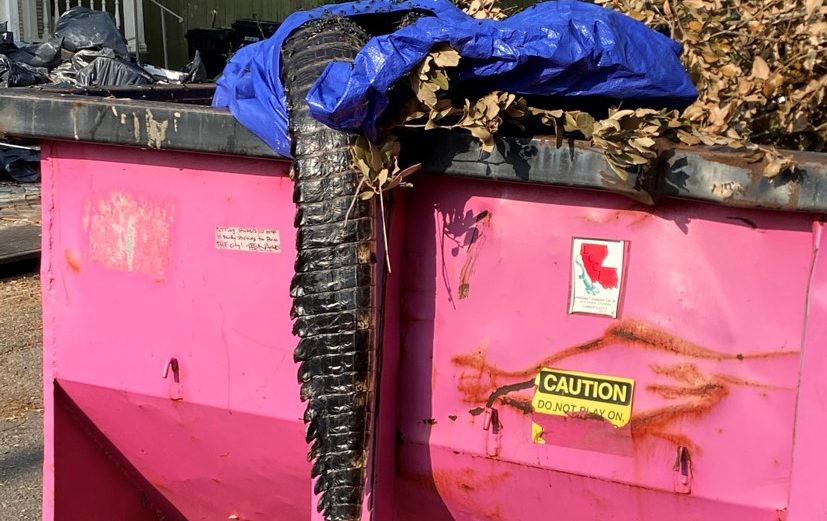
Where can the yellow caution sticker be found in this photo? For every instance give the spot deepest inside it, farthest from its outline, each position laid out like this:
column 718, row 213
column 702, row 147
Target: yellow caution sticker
column 572, row 393
column 537, row 433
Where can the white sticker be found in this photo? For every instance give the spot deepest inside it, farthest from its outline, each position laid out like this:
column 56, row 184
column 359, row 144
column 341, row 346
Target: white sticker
column 596, row 276
column 248, row 239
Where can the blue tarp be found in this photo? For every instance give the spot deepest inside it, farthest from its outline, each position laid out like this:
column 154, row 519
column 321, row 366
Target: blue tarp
column 563, row 48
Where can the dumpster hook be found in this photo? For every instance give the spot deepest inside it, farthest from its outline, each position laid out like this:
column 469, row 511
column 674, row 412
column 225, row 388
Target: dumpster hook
column 683, row 471
column 172, row 364
column 486, row 422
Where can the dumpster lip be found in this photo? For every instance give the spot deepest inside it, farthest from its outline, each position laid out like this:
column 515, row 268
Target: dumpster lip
column 194, row 93
column 712, row 175
column 49, row 115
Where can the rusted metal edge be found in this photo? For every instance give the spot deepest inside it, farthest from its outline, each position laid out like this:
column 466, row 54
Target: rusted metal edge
column 534, row 160
column 696, row 173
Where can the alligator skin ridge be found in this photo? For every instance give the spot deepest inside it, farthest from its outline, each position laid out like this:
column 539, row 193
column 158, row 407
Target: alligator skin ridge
column 333, row 286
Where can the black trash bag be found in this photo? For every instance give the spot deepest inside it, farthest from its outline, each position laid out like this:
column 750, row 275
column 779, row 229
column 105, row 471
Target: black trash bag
column 64, row 75
column 13, row 74
column 83, row 28
column 111, row 72
column 6, row 38
column 46, row 54
column 21, row 163
column 84, row 58
column 164, row 76
column 195, row 70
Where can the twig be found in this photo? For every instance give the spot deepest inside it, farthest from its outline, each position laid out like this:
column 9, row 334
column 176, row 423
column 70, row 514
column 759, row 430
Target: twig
column 385, row 232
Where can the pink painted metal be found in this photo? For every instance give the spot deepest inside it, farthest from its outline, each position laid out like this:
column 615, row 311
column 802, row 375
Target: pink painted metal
column 132, row 278
column 710, row 328
column 716, row 319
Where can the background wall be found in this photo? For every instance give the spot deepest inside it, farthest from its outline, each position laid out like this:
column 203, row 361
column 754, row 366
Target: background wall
column 199, row 13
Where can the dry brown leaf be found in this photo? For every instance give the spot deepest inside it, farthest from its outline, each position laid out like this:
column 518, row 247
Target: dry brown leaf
column 813, row 6
column 756, row 57
column 694, row 4
column 760, row 69
column 445, row 57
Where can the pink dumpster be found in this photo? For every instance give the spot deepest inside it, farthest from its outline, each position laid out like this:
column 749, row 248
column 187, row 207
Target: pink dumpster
column 552, row 347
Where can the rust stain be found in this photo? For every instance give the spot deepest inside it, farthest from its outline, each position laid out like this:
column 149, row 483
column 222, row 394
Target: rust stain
column 465, row 485
column 748, row 383
column 671, row 392
column 476, row 239
column 632, row 216
column 696, row 393
column 679, row 440
column 522, row 405
column 701, row 395
column 476, row 383
column 467, row 480
column 631, row 333
column 589, row 416
column 684, row 373
column 640, row 334
column 72, row 260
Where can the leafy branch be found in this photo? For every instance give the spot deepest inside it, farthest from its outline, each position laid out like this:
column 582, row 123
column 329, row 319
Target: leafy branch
column 379, row 171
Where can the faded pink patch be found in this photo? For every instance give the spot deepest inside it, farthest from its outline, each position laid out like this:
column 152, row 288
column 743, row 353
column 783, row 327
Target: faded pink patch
column 129, row 233
column 591, row 433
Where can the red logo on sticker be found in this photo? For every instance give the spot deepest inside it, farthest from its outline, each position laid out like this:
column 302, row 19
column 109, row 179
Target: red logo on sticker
column 593, row 256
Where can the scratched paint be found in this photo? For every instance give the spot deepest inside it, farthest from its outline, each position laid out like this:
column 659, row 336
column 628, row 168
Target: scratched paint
column 156, row 131
column 129, row 233
column 136, row 127
column 476, row 239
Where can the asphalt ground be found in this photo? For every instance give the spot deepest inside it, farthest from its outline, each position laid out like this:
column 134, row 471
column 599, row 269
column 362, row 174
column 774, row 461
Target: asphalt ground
column 21, row 398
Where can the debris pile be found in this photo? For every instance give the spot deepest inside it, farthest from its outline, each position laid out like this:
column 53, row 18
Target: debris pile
column 86, row 50
column 760, row 66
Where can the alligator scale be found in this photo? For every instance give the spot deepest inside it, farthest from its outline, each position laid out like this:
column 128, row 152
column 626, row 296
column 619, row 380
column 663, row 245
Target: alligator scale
column 333, row 287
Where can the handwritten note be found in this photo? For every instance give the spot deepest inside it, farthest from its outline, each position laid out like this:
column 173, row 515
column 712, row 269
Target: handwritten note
column 248, row 239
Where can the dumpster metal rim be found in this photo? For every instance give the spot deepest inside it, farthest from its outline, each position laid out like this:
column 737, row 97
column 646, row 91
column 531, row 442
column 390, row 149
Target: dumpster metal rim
column 117, row 121
column 695, row 173
column 195, row 93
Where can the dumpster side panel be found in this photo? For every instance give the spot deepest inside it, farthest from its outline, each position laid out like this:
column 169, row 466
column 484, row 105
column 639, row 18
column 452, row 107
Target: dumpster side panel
column 709, row 328
column 69, row 448
column 167, row 318
column 807, row 499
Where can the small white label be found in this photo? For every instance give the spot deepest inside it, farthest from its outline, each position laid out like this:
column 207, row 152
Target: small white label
column 248, row 239
column 596, row 276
